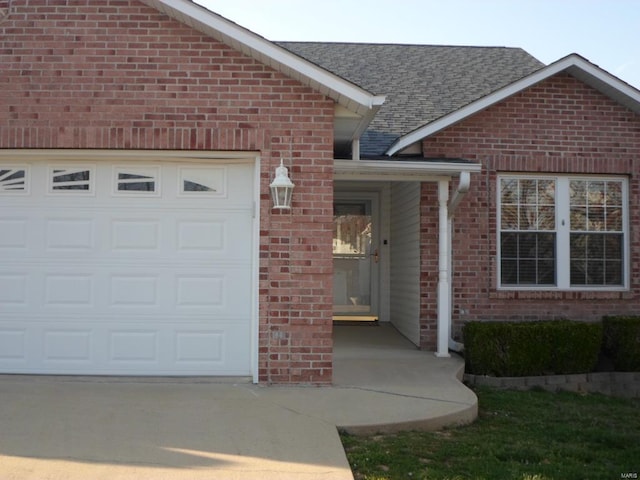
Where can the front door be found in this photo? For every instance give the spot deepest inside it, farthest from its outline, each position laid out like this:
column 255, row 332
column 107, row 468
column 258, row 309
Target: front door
column 355, row 260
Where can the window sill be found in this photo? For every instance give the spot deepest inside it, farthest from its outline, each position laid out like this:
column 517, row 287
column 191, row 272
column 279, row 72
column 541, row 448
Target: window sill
column 542, row 294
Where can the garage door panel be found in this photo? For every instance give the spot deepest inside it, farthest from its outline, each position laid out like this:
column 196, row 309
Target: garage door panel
column 168, row 290
column 13, row 234
column 135, row 235
column 134, row 290
column 222, row 293
column 68, row 290
column 215, row 237
column 112, row 282
column 133, row 346
column 68, row 346
column 76, row 347
column 213, row 349
column 13, row 343
column 201, row 235
column 13, row 290
column 69, row 234
column 200, row 291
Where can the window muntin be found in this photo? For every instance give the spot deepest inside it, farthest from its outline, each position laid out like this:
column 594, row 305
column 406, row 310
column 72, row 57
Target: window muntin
column 562, row 232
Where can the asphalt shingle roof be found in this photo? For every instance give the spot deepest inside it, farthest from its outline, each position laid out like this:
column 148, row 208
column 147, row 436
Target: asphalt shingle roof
column 421, row 82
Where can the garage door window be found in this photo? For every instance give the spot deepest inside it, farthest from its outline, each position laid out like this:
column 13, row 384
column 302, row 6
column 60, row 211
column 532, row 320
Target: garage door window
column 71, row 180
column 137, row 180
column 207, row 181
column 14, row 180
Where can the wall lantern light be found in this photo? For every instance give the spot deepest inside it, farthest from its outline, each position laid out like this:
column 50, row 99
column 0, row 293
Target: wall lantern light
column 281, row 188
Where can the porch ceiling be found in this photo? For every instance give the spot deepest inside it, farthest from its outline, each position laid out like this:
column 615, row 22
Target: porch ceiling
column 424, row 170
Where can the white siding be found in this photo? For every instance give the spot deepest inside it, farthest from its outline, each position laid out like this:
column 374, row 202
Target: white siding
column 405, row 259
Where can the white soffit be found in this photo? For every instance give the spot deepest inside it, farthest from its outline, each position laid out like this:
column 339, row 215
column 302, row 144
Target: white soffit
column 198, row 17
column 573, row 64
column 398, row 170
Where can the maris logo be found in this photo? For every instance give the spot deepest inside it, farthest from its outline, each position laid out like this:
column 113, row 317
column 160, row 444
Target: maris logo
column 629, row 475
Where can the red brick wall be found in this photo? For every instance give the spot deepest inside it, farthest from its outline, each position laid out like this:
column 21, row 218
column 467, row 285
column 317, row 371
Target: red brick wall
column 429, row 266
column 117, row 74
column 560, row 126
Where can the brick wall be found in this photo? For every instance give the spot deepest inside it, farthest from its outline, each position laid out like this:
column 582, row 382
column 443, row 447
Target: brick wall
column 560, row 126
column 117, row 74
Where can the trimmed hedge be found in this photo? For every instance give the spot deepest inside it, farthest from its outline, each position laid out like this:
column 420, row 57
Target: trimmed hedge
column 621, row 342
column 516, row 349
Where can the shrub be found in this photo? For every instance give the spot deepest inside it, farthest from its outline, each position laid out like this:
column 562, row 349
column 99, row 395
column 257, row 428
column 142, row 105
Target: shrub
column 514, row 349
column 621, row 342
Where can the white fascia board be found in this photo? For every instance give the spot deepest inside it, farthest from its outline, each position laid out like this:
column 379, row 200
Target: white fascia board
column 397, row 170
column 573, row 64
column 343, row 92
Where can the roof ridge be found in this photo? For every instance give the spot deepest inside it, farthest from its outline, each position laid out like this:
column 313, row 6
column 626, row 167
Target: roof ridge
column 392, row 44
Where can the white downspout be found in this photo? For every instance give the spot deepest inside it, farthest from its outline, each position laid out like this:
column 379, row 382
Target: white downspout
column 461, row 191
column 444, row 290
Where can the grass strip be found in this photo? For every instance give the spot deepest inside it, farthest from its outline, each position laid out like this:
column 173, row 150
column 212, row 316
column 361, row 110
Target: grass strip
column 532, row 435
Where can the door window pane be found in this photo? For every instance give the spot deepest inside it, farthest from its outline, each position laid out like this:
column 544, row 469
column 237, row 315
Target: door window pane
column 352, row 240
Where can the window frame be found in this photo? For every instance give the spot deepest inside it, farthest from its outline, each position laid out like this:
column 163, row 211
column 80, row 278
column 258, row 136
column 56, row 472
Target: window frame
column 563, row 232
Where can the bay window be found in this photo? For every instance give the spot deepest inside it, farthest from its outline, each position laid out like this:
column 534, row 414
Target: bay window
column 562, row 232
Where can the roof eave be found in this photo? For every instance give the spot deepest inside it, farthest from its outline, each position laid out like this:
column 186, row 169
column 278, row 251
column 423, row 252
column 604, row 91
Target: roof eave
column 198, row 17
column 573, row 64
column 397, row 170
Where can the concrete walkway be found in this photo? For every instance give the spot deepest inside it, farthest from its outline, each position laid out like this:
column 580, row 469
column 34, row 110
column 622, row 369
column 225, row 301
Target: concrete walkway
column 117, row 428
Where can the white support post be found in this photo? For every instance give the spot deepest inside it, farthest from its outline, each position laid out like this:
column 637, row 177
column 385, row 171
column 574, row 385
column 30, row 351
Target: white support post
column 444, row 287
column 355, row 149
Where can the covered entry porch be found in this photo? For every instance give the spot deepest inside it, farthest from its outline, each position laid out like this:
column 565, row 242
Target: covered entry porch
column 379, row 261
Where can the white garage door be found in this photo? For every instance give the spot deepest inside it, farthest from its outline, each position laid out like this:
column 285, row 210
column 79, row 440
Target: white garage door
column 126, row 269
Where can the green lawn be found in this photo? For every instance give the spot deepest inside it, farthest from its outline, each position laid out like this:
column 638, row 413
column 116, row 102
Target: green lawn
column 532, row 435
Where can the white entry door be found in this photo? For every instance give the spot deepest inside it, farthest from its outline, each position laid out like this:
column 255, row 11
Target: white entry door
column 356, row 258
column 126, row 268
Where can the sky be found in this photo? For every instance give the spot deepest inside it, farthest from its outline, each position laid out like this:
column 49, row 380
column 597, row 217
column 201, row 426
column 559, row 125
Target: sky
column 605, row 32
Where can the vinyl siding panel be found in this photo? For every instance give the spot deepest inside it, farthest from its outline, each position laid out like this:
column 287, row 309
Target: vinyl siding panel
column 405, row 259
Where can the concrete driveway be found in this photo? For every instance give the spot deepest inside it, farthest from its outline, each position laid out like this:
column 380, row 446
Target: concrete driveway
column 75, row 428
column 57, row 428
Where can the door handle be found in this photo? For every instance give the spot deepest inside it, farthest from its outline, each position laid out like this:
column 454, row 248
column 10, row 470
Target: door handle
column 375, row 255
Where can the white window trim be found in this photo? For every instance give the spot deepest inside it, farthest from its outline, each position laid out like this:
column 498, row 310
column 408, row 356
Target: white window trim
column 563, row 230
